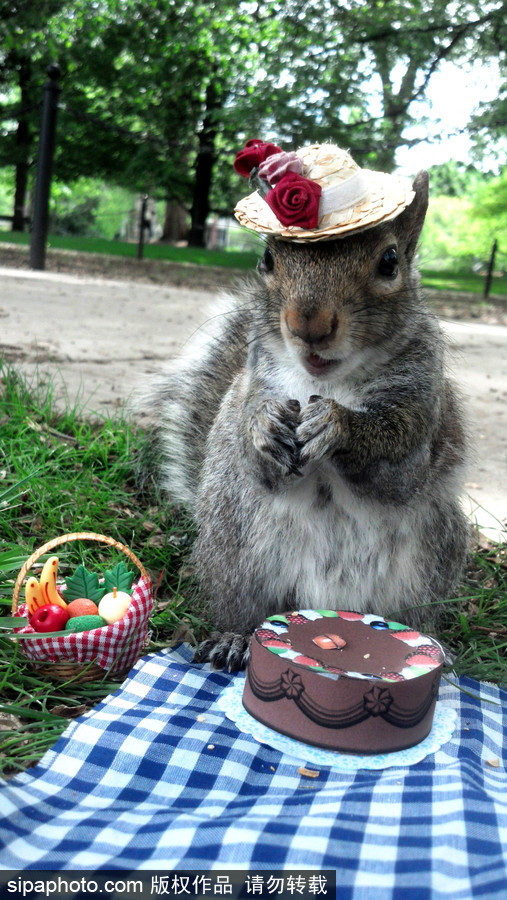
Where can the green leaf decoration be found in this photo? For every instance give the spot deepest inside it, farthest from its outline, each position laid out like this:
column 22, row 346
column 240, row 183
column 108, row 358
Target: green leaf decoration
column 119, row 578
column 84, row 584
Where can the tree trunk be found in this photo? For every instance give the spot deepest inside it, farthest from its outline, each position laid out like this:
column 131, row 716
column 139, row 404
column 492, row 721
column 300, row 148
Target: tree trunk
column 175, row 223
column 204, row 166
column 24, row 139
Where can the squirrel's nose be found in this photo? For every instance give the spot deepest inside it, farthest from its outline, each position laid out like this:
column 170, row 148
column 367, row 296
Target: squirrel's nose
column 312, row 328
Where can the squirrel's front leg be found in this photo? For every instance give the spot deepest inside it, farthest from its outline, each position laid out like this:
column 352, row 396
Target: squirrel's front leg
column 272, row 431
column 323, row 429
column 354, row 439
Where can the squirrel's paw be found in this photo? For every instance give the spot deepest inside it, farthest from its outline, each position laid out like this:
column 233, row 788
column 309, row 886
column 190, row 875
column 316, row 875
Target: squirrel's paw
column 273, row 432
column 322, row 429
column 224, row 651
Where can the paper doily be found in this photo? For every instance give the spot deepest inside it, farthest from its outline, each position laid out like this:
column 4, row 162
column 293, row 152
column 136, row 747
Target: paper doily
column 230, row 702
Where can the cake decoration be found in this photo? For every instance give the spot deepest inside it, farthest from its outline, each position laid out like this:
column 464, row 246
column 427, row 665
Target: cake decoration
column 367, row 686
column 329, row 641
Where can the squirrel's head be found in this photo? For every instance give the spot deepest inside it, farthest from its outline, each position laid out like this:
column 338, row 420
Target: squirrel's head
column 331, row 298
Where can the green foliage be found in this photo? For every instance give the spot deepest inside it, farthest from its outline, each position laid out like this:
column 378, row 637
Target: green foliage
column 453, row 179
column 455, row 233
column 152, row 91
column 490, row 201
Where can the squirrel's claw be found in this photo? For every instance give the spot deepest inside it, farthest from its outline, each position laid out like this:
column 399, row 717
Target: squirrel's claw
column 224, row 651
column 273, row 432
column 321, row 430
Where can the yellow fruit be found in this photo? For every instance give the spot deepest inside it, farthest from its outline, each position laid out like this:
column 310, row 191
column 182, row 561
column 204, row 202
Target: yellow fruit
column 33, row 595
column 48, row 583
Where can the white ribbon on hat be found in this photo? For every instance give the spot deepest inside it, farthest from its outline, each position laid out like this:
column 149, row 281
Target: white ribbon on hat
column 346, row 195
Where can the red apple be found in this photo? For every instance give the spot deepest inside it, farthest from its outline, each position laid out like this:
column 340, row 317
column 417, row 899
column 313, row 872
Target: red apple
column 49, row 618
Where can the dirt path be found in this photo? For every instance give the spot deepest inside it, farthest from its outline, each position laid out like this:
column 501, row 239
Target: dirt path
column 100, row 338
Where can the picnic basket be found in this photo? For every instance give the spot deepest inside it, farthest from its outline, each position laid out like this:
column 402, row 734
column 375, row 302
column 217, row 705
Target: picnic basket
column 89, row 655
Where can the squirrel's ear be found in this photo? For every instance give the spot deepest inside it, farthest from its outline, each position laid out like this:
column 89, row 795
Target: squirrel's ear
column 412, row 218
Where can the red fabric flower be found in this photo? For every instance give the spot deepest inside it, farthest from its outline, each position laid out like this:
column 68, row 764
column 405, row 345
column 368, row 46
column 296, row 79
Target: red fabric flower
column 295, row 201
column 252, row 155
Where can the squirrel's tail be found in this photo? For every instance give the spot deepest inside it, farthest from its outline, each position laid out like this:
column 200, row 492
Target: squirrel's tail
column 182, row 402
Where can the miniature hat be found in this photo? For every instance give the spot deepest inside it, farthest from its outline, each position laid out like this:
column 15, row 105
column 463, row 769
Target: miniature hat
column 316, row 193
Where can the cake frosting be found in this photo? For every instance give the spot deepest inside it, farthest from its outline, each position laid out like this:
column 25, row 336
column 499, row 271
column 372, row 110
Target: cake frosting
column 343, row 680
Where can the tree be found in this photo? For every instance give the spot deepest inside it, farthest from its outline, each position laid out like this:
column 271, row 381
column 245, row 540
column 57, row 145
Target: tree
column 453, row 179
column 158, row 95
column 388, row 53
column 24, row 44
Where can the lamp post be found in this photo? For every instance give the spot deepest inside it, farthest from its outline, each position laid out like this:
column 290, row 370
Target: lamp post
column 44, row 168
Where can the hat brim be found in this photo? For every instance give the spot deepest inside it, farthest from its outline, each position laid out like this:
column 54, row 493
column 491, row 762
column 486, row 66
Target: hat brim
column 388, row 196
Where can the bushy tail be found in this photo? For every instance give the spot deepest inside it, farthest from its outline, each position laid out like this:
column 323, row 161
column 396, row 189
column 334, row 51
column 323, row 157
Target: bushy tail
column 182, row 402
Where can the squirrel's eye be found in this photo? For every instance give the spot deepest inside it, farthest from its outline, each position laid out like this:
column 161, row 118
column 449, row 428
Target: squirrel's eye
column 267, row 262
column 388, row 265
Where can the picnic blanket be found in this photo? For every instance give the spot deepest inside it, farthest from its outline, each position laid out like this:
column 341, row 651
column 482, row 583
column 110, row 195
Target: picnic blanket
column 158, row 777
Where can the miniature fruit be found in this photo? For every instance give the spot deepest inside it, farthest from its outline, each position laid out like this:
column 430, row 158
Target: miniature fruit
column 33, row 595
column 48, row 583
column 85, row 623
column 50, row 617
column 113, row 606
column 82, row 607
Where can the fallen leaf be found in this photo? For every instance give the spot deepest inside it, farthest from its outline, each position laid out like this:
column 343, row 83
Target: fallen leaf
column 9, row 722
column 69, row 712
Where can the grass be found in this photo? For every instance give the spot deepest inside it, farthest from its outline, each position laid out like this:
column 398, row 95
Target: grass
column 230, row 259
column 465, row 282
column 61, row 472
column 442, row 280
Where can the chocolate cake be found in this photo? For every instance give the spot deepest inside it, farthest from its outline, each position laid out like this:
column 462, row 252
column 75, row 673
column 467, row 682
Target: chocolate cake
column 343, row 681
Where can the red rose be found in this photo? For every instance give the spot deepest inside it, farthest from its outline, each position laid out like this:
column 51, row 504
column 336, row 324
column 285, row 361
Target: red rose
column 252, row 155
column 295, row 201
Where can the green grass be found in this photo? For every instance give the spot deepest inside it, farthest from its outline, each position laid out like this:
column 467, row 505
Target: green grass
column 445, row 280
column 230, row 259
column 61, row 472
column 449, row 280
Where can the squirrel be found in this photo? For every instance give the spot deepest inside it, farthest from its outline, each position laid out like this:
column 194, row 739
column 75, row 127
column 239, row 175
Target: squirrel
column 316, row 440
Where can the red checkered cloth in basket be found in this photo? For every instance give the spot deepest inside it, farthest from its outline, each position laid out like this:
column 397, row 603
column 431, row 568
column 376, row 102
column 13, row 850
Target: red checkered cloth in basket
column 113, row 647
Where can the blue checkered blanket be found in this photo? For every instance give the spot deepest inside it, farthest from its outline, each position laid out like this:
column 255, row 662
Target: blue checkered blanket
column 157, row 777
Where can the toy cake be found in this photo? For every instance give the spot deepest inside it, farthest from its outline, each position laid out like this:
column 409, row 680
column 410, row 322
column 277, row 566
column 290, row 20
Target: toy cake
column 343, row 681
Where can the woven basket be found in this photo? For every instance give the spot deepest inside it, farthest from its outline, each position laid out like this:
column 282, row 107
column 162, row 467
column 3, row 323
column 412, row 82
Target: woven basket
column 69, row 669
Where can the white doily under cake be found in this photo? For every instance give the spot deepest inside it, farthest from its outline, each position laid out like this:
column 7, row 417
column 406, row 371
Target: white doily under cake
column 230, row 701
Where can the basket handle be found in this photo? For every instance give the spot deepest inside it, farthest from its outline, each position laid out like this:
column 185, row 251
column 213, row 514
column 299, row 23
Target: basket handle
column 65, row 539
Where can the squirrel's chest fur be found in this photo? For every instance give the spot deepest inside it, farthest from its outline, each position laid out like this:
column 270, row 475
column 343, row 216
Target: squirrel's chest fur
column 329, row 543
column 326, row 530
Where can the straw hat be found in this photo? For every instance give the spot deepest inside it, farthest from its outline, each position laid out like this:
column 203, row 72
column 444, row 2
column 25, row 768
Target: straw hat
column 321, row 188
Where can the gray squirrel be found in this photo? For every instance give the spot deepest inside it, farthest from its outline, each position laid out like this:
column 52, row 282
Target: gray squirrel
column 312, row 432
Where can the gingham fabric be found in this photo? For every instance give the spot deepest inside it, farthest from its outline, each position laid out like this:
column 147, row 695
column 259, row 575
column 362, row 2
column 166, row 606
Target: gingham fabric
column 113, row 647
column 156, row 777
